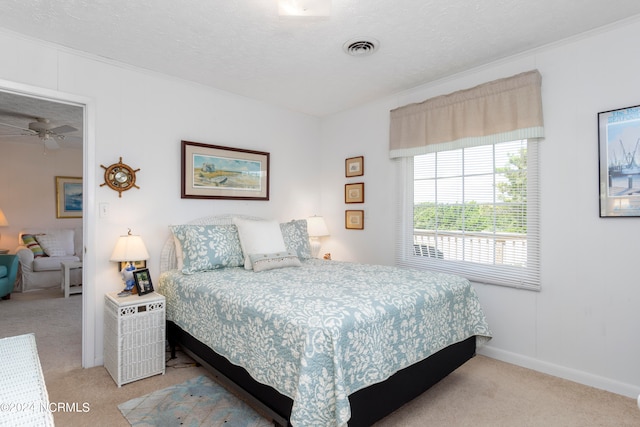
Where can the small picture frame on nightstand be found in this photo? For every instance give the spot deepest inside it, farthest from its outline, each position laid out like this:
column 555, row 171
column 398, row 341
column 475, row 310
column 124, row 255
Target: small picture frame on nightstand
column 143, row 281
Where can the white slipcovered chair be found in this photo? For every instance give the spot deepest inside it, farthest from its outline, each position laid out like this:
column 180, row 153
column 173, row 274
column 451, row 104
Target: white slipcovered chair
column 40, row 264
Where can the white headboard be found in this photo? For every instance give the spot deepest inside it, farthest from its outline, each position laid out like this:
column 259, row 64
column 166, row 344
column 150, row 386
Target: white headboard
column 168, row 259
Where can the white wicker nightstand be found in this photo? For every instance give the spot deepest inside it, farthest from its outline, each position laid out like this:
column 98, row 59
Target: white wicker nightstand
column 134, row 336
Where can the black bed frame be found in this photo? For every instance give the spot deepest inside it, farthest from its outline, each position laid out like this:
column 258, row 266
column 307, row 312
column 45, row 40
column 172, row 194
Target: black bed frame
column 367, row 405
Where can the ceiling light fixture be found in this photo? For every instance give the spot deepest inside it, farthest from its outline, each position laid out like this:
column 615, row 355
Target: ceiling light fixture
column 361, row 46
column 304, row 7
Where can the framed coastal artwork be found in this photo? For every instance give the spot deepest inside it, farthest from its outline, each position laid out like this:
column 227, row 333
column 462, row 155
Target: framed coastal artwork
column 619, row 156
column 217, row 172
column 68, row 197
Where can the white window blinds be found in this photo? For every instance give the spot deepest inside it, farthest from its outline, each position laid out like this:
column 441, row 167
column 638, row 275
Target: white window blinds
column 471, row 206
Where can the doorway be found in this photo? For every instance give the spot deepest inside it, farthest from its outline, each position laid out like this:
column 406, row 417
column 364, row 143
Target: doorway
column 49, row 107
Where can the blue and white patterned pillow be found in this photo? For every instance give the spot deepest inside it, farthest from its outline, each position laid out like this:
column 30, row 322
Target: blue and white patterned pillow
column 207, row 247
column 296, row 237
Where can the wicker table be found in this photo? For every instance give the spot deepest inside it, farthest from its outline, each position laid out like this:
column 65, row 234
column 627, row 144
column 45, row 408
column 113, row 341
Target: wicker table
column 134, row 336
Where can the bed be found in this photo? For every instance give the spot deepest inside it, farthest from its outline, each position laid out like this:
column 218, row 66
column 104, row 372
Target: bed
column 312, row 342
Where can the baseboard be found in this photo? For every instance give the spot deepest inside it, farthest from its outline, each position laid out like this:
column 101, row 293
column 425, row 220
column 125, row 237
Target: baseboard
column 575, row 375
column 98, row 361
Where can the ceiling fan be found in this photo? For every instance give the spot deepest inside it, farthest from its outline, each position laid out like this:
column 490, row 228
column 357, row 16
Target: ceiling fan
column 42, row 128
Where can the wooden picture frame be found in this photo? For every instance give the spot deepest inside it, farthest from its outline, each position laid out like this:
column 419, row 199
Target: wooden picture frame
column 354, row 220
column 137, row 264
column 618, row 142
column 354, row 193
column 354, row 166
column 217, row 172
column 68, row 197
column 143, row 281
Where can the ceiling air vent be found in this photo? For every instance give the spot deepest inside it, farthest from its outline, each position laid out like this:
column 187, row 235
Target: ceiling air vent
column 361, row 46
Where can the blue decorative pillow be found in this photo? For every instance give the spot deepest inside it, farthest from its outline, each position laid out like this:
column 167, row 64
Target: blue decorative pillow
column 207, row 247
column 263, row 262
column 296, row 237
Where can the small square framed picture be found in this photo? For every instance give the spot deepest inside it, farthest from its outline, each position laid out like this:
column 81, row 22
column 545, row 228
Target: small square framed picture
column 137, row 264
column 143, row 281
column 354, row 220
column 354, row 166
column 354, row 193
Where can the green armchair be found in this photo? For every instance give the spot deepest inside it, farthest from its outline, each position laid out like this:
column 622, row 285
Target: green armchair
column 8, row 272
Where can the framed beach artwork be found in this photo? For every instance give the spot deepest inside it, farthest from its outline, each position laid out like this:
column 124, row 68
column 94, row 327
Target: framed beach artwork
column 68, row 197
column 619, row 153
column 217, row 172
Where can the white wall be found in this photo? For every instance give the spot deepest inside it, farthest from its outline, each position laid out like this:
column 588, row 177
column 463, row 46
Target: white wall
column 28, row 187
column 142, row 117
column 583, row 325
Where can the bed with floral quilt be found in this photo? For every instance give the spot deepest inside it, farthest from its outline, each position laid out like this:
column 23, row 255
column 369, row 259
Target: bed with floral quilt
column 313, row 342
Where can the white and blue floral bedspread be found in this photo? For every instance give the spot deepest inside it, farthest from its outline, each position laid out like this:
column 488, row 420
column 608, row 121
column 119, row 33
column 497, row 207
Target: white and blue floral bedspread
column 322, row 331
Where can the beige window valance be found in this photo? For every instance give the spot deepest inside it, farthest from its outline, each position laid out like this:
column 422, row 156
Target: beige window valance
column 507, row 109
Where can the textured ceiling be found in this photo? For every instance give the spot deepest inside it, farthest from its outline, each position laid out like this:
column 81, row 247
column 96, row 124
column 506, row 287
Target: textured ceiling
column 298, row 63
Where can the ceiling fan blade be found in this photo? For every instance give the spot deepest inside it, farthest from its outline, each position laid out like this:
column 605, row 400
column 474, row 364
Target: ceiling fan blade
column 72, row 139
column 63, row 129
column 32, row 132
column 16, row 114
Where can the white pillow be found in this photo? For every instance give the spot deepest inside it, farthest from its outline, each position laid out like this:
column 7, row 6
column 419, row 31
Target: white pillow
column 50, row 245
column 259, row 237
column 65, row 239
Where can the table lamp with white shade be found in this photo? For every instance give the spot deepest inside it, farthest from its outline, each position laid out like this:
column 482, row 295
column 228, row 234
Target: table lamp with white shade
column 316, row 228
column 128, row 250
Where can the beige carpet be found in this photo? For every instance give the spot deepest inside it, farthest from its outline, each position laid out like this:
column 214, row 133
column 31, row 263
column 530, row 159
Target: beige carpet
column 483, row 392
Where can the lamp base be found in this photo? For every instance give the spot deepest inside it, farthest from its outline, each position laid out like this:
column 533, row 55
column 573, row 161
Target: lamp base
column 315, row 247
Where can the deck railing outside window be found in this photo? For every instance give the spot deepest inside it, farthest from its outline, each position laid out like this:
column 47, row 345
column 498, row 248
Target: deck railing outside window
column 483, row 248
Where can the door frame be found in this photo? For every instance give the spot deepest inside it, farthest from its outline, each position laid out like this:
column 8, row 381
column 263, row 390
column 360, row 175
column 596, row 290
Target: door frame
column 88, row 205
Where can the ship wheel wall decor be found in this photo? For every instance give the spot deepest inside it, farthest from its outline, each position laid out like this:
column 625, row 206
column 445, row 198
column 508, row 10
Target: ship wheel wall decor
column 119, row 177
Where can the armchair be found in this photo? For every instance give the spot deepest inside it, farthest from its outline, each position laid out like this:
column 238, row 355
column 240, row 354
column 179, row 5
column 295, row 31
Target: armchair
column 40, row 267
column 8, row 273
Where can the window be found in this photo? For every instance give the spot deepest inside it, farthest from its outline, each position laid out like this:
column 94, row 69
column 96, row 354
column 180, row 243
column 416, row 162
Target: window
column 472, row 211
column 468, row 181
